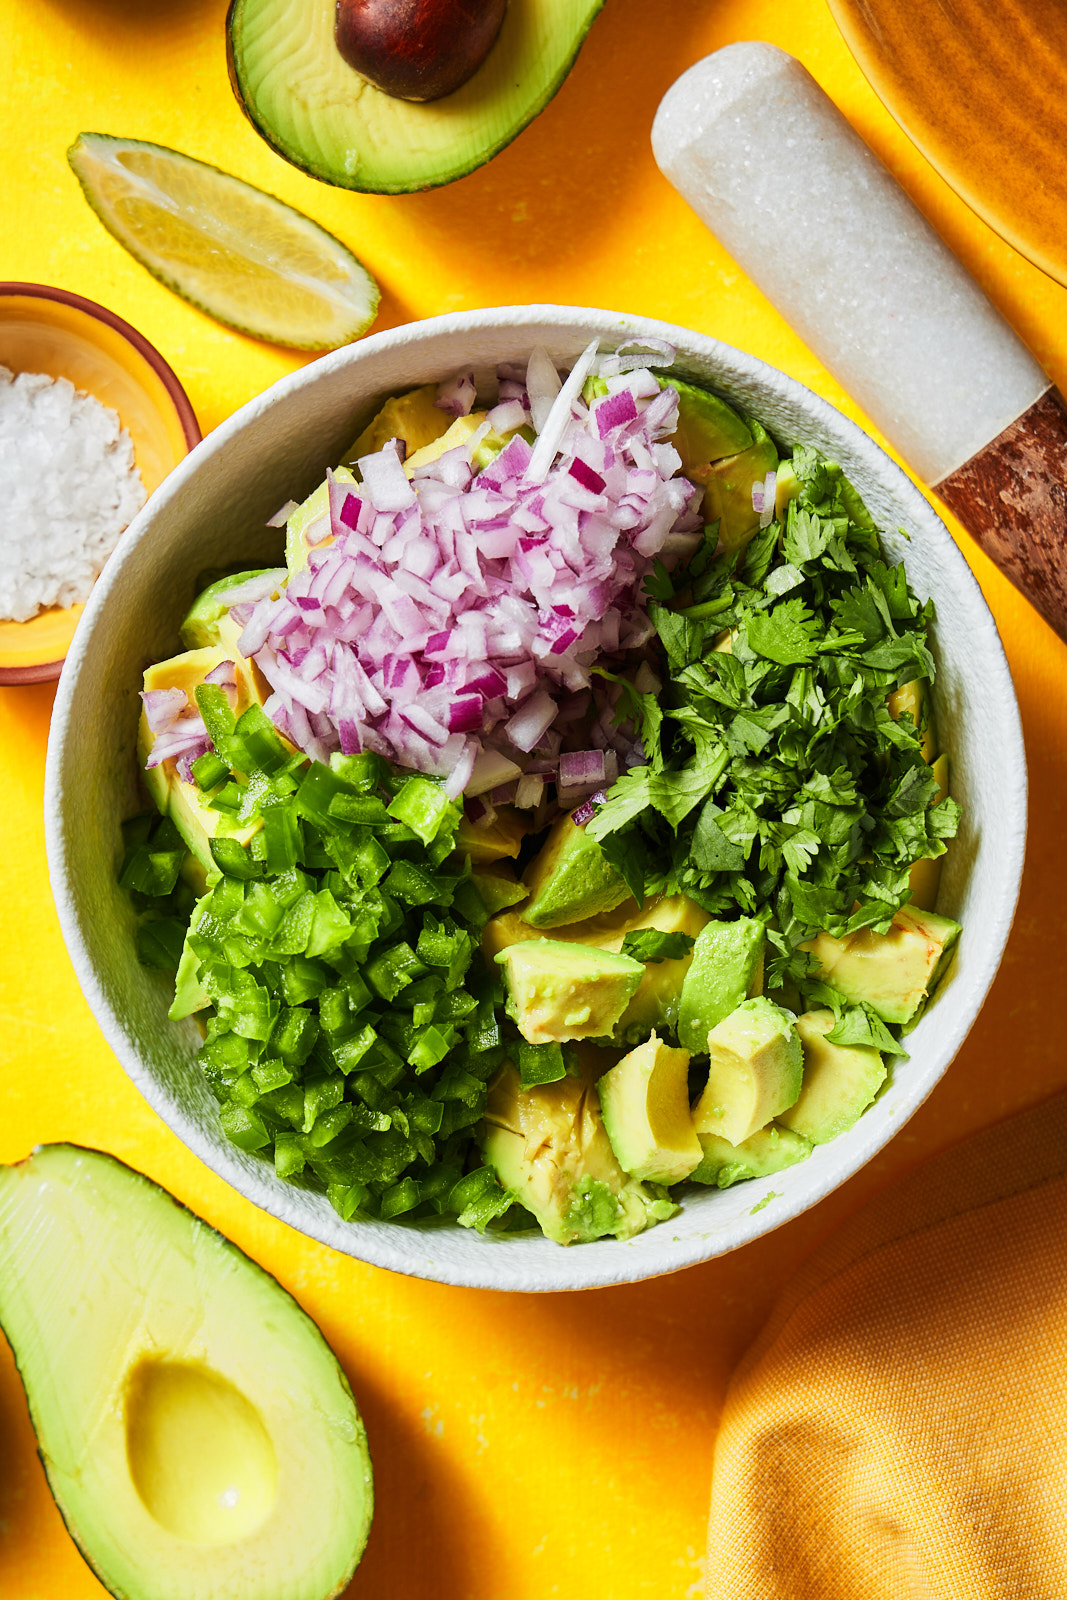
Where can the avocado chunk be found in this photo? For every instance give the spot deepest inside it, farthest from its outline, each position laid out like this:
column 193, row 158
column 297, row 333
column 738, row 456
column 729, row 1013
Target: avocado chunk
column 309, row 527
column 559, row 991
column 656, row 1003
column 786, row 488
column 708, row 429
column 197, row 1431
column 912, row 700
column 755, row 1073
column 571, row 878
column 728, row 494
column 414, row 417
column 498, row 887
column 201, row 626
column 644, row 1099
column 316, row 111
column 840, row 1081
column 549, row 1148
column 459, row 432
column 894, row 973
column 925, row 876
column 726, row 967
column 500, row 840
column 185, row 804
column 770, row 1149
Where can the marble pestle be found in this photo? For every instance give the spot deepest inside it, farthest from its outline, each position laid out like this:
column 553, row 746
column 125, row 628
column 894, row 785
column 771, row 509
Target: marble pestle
column 789, row 188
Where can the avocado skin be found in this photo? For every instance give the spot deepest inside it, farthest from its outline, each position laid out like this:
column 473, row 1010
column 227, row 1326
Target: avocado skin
column 455, row 161
column 103, row 1162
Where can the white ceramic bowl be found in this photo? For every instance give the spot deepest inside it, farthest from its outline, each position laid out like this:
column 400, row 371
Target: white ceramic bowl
column 212, row 510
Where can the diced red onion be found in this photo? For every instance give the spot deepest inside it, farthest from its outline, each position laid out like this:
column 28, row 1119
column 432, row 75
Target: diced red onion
column 649, row 352
column 450, row 611
column 533, row 718
column 507, row 416
column 385, row 480
column 282, row 515
column 465, row 714
column 578, row 768
column 457, row 394
column 550, row 435
column 528, row 791
column 613, row 411
column 585, row 475
column 225, row 674
column 542, row 385
column 163, row 707
column 766, row 508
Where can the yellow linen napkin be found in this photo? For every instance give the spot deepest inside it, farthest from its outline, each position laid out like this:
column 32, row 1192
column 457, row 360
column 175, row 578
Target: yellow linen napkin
column 899, row 1430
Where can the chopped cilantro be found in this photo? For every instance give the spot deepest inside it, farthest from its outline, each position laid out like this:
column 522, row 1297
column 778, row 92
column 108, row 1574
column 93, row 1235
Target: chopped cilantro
column 776, row 779
column 651, row 944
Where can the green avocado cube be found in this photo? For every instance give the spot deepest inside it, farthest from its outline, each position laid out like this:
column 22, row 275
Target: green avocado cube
column 894, row 973
column 548, row 1147
column 727, row 967
column 645, row 1103
column 768, row 1150
column 559, row 991
column 755, row 1074
column 201, row 625
column 571, row 879
column 840, row 1081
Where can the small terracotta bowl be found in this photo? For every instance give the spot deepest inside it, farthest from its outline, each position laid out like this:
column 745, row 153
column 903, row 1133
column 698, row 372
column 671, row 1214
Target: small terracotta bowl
column 61, row 334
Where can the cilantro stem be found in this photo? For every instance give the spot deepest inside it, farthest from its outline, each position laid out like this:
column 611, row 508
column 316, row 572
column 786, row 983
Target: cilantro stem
column 709, row 608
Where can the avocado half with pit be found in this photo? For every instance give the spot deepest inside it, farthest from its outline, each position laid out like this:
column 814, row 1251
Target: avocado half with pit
column 319, row 113
column 199, row 1436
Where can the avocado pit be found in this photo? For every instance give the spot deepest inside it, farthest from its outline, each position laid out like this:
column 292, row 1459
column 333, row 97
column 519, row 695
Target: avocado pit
column 417, row 49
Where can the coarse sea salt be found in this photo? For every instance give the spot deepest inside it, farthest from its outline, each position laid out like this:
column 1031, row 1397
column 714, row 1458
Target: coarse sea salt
column 68, row 486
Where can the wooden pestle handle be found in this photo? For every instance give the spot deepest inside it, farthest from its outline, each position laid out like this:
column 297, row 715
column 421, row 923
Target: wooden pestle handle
column 1012, row 498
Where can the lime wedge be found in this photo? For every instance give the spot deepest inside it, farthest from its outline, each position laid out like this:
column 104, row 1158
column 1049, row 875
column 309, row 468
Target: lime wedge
column 239, row 254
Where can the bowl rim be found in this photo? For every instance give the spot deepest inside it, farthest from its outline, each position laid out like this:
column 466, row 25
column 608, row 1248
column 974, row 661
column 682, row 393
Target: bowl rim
column 609, row 1262
column 47, row 671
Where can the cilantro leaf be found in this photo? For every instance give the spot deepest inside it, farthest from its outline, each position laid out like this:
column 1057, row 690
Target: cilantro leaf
column 786, row 634
column 653, row 945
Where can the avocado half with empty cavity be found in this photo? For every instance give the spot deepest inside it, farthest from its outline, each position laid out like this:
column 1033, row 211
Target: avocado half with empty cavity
column 314, row 109
column 198, row 1434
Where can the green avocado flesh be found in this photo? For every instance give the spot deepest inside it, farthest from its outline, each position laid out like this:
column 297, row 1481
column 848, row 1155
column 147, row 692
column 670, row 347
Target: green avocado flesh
column 201, row 625
column 768, row 1150
column 726, row 967
column 559, row 991
column 729, row 485
column 549, row 1148
column 840, row 1081
column 199, row 1437
column 317, row 112
column 570, row 879
column 708, row 429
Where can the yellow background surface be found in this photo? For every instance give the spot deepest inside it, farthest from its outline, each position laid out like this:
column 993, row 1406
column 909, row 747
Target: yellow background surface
column 524, row 1447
